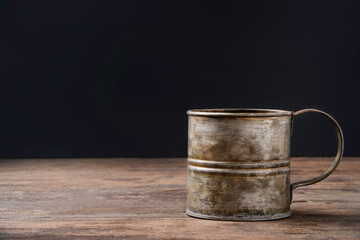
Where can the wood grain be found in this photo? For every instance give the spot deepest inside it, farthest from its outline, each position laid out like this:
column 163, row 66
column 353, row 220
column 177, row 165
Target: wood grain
column 116, row 198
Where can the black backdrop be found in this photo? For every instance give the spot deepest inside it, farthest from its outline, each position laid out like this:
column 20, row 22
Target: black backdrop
column 115, row 78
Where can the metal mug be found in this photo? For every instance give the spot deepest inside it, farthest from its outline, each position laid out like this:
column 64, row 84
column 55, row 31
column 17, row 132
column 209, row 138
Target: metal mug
column 239, row 163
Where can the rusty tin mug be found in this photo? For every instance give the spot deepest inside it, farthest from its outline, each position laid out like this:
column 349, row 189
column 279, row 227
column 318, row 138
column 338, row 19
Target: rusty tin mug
column 239, row 163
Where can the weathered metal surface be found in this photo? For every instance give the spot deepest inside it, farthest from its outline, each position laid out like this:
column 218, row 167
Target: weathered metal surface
column 239, row 164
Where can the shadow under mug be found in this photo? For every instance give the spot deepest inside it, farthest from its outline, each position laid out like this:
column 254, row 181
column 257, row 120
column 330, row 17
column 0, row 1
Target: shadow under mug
column 239, row 163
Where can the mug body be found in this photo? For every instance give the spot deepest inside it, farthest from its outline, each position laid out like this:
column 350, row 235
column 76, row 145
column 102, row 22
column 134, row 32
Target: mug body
column 238, row 164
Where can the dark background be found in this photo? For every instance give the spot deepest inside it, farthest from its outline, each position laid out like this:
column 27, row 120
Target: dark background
column 115, row 78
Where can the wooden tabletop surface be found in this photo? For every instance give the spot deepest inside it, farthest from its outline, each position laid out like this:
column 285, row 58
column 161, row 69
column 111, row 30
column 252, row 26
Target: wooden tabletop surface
column 117, row 198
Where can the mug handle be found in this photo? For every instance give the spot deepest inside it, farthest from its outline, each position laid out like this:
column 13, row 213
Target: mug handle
column 338, row 155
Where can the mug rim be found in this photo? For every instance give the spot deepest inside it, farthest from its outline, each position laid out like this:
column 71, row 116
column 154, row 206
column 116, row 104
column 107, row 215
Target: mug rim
column 238, row 112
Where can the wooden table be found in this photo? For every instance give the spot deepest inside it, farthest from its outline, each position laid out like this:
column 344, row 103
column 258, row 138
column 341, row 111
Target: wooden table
column 112, row 198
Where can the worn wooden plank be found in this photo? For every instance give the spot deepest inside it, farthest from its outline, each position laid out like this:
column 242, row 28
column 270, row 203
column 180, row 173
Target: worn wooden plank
column 145, row 199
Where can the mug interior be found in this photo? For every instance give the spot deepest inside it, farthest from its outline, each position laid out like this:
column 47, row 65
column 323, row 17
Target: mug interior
column 239, row 112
